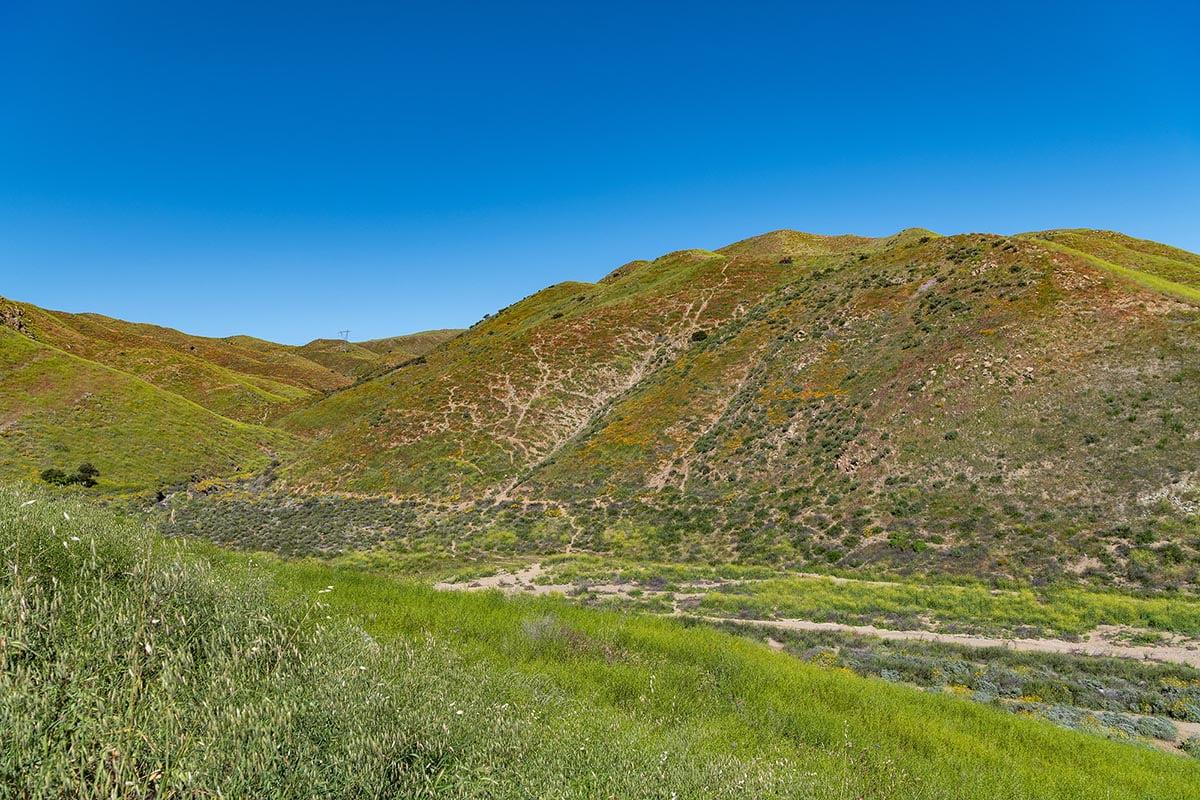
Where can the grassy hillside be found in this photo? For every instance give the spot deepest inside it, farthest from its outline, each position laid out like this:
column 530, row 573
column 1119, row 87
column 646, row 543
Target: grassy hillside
column 364, row 359
column 1156, row 266
column 239, row 377
column 151, row 406
column 1001, row 406
column 1011, row 407
column 59, row 410
column 181, row 671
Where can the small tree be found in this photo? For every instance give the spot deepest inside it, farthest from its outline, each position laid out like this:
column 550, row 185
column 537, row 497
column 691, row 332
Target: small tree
column 55, row 476
column 87, row 474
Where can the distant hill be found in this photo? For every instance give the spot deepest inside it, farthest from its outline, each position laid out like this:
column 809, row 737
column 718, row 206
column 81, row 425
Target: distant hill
column 363, row 359
column 151, row 405
column 59, row 410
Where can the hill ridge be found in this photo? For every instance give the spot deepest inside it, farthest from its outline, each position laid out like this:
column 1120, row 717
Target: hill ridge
column 226, row 390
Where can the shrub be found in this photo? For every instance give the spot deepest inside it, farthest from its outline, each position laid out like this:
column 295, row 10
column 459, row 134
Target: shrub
column 1191, row 746
column 85, row 475
column 1156, row 728
column 1120, row 722
column 55, row 477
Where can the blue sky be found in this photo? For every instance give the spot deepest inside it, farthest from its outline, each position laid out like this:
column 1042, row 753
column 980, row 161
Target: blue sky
column 288, row 170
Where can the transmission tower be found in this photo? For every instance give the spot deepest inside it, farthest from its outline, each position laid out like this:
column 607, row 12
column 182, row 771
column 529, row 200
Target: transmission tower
column 345, row 337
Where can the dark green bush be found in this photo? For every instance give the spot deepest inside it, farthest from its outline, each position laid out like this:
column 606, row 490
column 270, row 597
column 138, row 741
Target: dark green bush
column 85, row 475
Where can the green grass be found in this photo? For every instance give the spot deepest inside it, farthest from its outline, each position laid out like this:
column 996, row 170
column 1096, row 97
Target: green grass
column 1048, row 611
column 1178, row 267
column 134, row 666
column 1115, row 690
column 1144, row 278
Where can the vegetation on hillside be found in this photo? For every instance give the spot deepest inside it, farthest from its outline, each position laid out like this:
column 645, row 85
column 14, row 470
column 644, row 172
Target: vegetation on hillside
column 1118, row 698
column 85, row 475
column 1007, row 407
column 156, row 407
column 975, row 404
column 239, row 377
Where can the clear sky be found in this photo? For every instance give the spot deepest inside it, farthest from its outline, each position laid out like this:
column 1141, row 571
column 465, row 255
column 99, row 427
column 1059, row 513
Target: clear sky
column 291, row 169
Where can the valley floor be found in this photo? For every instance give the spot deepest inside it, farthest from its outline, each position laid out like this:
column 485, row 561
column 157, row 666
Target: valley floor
column 1100, row 645
column 138, row 666
column 1105, row 640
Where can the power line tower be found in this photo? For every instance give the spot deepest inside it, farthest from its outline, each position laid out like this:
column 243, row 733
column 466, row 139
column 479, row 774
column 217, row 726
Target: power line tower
column 345, row 337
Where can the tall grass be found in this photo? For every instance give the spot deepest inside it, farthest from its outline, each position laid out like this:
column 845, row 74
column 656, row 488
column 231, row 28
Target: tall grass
column 133, row 667
column 130, row 670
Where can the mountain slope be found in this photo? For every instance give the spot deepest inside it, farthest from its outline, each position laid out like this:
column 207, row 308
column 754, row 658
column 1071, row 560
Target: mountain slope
column 363, row 359
column 1156, row 266
column 980, row 402
column 1022, row 406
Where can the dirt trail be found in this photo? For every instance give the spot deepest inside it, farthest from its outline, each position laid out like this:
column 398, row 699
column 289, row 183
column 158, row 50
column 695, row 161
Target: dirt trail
column 524, row 580
column 510, row 583
column 1097, row 643
column 1100, row 642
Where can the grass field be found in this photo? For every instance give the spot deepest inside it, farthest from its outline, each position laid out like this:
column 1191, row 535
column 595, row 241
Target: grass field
column 134, row 667
column 1120, row 698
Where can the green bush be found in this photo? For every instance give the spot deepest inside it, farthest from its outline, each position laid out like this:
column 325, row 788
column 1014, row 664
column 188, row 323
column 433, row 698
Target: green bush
column 85, row 475
column 55, row 477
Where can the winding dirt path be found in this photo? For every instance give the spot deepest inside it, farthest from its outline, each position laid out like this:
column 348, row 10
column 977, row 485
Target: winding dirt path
column 1100, row 642
column 1097, row 643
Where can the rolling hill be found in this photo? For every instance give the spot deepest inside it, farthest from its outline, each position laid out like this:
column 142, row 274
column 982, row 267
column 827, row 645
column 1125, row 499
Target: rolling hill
column 152, row 406
column 1023, row 406
column 1008, row 405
